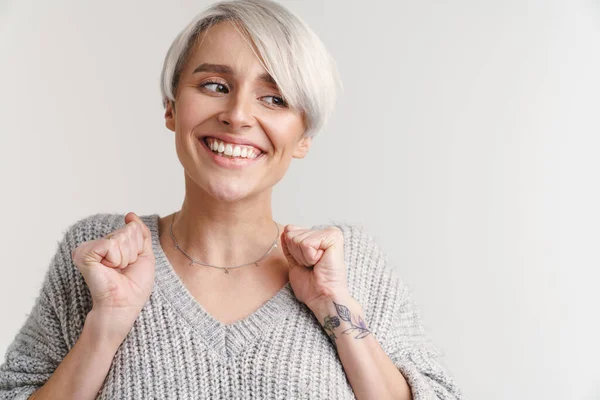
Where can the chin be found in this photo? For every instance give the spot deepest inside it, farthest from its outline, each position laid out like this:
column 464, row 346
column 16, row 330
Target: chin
column 229, row 193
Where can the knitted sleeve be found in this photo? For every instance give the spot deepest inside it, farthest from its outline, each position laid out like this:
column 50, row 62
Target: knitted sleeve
column 394, row 318
column 51, row 328
column 412, row 352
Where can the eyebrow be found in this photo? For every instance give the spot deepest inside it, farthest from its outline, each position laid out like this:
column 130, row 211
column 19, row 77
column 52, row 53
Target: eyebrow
column 225, row 69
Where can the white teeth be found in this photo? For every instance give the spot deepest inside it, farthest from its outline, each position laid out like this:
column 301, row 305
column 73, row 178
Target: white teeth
column 232, row 150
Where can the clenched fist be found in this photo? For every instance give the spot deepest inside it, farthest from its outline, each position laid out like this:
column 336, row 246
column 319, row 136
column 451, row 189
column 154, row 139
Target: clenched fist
column 119, row 271
column 317, row 267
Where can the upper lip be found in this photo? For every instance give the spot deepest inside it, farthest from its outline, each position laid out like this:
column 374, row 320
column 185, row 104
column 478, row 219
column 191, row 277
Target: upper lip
column 225, row 137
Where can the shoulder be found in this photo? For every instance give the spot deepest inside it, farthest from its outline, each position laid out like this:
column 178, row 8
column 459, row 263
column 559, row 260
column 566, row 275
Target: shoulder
column 92, row 227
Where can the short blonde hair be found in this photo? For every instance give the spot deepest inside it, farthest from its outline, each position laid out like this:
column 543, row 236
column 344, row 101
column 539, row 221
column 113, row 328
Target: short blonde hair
column 293, row 54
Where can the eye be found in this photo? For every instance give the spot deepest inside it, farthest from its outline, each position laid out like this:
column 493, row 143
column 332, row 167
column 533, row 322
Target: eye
column 277, row 100
column 280, row 101
column 218, row 84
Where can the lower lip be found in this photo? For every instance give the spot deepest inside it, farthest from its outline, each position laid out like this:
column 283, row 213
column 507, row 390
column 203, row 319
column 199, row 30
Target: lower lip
column 228, row 162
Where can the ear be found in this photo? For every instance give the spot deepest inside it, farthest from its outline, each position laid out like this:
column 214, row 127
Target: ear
column 302, row 147
column 170, row 115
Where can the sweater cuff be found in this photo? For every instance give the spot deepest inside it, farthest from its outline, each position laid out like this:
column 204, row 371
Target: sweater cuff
column 419, row 387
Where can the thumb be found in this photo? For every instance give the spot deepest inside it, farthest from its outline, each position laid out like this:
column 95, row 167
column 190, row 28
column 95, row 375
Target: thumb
column 146, row 234
column 131, row 216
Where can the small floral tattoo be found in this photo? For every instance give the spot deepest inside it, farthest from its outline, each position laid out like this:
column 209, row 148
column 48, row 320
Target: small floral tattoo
column 329, row 323
column 358, row 326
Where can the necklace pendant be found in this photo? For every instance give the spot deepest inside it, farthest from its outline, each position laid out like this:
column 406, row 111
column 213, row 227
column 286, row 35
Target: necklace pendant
column 256, row 263
column 226, row 270
column 191, row 263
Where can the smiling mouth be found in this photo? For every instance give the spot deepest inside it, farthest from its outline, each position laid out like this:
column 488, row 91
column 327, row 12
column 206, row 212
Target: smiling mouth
column 231, row 151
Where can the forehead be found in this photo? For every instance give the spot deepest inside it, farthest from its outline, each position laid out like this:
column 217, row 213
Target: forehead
column 222, row 43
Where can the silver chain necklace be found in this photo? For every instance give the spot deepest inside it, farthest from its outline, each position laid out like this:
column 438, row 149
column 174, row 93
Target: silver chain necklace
column 274, row 245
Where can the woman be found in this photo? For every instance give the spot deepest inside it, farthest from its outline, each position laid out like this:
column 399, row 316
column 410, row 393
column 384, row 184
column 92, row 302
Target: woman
column 218, row 300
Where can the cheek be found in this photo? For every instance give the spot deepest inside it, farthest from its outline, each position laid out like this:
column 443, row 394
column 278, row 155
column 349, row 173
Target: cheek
column 284, row 133
column 194, row 109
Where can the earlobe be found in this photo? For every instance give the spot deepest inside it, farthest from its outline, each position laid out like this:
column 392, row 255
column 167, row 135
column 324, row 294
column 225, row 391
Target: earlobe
column 170, row 116
column 302, row 147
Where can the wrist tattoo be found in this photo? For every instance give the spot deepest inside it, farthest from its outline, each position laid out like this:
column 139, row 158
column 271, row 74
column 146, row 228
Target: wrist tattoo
column 331, row 321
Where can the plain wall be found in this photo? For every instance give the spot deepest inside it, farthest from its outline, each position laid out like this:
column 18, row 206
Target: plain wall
column 466, row 141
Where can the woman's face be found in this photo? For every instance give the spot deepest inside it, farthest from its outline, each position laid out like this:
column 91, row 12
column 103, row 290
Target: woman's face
column 221, row 95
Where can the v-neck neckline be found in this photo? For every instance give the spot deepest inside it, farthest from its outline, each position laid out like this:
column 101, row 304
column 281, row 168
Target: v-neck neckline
column 226, row 340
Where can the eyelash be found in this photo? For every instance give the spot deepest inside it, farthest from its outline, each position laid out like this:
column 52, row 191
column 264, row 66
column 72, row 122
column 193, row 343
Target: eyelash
column 284, row 105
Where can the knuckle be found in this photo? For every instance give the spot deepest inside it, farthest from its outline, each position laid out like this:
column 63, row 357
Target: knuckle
column 132, row 227
column 336, row 231
column 124, row 239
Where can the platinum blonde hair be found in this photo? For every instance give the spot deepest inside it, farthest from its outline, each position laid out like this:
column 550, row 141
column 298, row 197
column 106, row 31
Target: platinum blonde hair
column 293, row 54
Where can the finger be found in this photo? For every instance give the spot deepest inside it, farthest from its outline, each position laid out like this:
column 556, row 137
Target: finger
column 122, row 243
column 134, row 246
column 145, row 249
column 290, row 231
column 112, row 256
column 311, row 251
column 292, row 227
column 295, row 244
column 127, row 239
column 133, row 242
column 309, row 244
column 137, row 236
column 288, row 236
column 286, row 252
column 101, row 251
column 138, row 271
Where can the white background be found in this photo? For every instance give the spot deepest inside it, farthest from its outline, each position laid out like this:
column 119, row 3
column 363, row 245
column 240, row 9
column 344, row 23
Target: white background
column 466, row 141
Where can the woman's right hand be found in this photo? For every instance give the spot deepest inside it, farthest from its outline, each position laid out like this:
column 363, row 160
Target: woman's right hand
column 119, row 271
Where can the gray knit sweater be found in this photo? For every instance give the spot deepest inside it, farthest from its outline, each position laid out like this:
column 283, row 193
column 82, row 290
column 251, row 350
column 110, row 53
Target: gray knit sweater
column 175, row 350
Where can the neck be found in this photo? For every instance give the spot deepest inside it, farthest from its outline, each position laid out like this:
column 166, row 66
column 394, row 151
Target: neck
column 223, row 233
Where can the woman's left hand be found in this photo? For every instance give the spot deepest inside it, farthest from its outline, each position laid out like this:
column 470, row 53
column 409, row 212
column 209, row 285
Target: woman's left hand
column 323, row 250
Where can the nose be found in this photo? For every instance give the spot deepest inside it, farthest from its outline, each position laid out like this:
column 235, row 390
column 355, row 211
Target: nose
column 238, row 112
